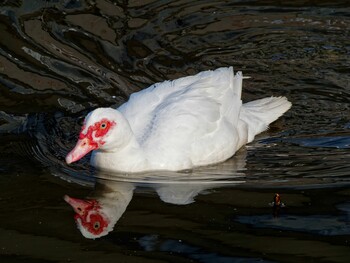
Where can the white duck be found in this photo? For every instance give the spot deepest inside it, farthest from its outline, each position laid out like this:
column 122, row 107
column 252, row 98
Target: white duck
column 176, row 125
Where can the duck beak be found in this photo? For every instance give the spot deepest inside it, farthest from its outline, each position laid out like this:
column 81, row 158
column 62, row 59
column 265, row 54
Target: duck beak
column 83, row 147
column 79, row 206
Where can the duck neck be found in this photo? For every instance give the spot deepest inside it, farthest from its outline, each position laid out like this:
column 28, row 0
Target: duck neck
column 128, row 158
column 113, row 199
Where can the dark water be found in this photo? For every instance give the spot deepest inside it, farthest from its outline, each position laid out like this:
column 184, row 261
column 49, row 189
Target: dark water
column 61, row 59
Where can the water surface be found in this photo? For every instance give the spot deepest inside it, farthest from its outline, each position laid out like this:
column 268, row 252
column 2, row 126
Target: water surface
column 61, row 59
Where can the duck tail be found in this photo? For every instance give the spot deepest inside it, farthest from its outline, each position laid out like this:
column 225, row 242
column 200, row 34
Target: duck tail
column 258, row 114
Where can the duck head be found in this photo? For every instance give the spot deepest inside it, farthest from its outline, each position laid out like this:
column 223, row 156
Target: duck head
column 96, row 216
column 103, row 129
column 90, row 218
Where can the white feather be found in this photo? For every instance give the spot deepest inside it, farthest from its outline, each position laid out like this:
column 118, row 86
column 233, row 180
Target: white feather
column 192, row 121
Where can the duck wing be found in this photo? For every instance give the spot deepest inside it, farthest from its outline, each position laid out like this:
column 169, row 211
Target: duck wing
column 188, row 121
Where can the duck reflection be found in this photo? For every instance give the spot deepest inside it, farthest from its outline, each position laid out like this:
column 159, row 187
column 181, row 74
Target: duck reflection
column 97, row 215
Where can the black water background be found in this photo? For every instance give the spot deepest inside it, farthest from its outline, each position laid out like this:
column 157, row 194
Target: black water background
column 60, row 59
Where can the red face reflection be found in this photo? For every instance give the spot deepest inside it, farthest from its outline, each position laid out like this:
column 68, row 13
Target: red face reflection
column 88, row 214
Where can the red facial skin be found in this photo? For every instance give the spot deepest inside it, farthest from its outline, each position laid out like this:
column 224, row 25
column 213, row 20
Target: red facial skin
column 100, row 128
column 91, row 140
column 83, row 208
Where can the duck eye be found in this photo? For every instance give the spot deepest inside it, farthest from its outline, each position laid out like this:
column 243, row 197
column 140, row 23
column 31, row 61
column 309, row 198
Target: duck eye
column 96, row 225
column 103, row 125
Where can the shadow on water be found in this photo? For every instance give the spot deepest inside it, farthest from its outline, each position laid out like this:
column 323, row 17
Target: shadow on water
column 61, row 59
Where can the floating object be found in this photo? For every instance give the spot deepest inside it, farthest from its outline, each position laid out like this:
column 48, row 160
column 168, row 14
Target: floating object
column 176, row 125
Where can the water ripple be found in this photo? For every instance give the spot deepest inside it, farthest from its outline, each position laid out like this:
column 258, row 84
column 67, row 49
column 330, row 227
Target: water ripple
column 60, row 59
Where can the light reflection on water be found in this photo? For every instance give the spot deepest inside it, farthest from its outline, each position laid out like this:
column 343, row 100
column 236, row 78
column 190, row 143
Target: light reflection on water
column 318, row 224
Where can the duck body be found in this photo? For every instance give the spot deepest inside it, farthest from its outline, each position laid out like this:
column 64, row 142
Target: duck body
column 179, row 124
